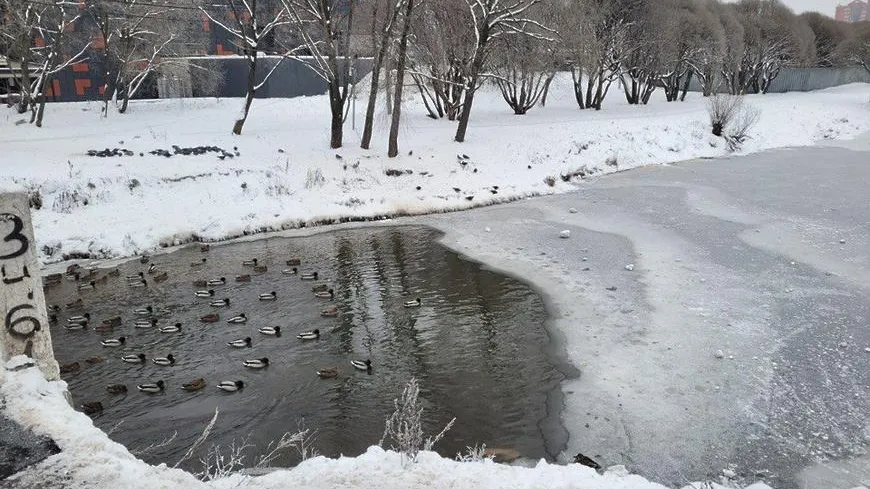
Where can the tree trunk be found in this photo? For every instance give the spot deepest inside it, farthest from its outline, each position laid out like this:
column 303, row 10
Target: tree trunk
column 388, row 83
column 547, row 88
column 249, row 95
column 376, row 74
column 686, row 86
column 336, row 107
column 393, row 149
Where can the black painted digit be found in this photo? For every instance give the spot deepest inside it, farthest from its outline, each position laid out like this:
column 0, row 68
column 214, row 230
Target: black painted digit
column 15, row 235
column 10, row 281
column 12, row 325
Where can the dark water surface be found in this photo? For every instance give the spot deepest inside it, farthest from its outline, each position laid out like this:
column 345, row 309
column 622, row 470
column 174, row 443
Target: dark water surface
column 477, row 345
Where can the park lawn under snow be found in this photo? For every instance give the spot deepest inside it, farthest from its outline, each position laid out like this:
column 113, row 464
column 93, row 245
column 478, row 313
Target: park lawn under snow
column 90, row 460
column 286, row 176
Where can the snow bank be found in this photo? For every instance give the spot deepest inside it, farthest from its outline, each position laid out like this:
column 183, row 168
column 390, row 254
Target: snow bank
column 285, row 176
column 89, row 459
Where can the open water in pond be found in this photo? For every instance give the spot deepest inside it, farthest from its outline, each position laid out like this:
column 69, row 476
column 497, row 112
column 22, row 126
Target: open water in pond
column 477, row 344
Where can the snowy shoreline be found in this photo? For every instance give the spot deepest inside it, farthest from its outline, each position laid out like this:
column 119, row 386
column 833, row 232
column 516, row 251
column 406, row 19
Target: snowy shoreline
column 285, row 177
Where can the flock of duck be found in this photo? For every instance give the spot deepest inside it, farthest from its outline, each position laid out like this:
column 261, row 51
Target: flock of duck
column 205, row 290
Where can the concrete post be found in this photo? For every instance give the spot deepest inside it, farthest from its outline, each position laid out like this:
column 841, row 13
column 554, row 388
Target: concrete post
column 24, row 328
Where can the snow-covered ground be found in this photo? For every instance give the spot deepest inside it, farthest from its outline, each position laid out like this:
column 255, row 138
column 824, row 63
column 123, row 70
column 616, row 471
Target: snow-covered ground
column 286, row 176
column 90, row 460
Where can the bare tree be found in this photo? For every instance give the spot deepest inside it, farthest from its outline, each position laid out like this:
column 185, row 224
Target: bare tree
column 393, row 149
column 708, row 57
column 493, row 19
column 139, row 38
column 253, row 28
column 384, row 14
column 17, row 21
column 442, row 45
column 522, row 69
column 828, row 35
column 324, row 27
column 593, row 35
column 48, row 23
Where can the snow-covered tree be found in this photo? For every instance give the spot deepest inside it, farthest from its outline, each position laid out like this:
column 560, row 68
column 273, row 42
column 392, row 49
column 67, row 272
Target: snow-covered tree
column 492, row 20
column 522, row 66
column 324, row 27
column 402, row 55
column 384, row 15
column 36, row 33
column 253, row 26
column 139, row 38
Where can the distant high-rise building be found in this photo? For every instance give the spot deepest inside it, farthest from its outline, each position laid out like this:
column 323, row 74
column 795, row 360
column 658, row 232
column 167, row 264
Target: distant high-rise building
column 856, row 11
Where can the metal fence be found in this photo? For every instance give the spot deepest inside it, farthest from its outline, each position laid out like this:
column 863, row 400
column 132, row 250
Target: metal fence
column 806, row 79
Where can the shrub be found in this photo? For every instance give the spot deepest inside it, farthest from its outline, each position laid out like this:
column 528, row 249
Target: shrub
column 404, row 428
column 722, row 109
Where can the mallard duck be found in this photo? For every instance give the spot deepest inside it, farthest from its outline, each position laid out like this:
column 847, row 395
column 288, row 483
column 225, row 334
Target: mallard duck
column 309, row 335
column 114, row 273
column 290, row 271
column 144, row 259
column 330, row 312
column 112, row 321
column 329, row 294
column 112, row 342
column 175, row 328
column 76, row 326
column 293, row 262
column 140, row 358
column 241, row 318
column 152, row 268
column 166, row 361
column 414, row 303
column 76, row 304
column 145, row 323
column 365, row 365
column 83, row 319
column 204, row 293
column 139, row 283
column 217, row 281
column 250, row 263
column 270, row 330
column 204, row 248
column 94, row 360
column 87, row 286
column 52, row 319
column 193, row 385
column 328, row 373
column 269, row 296
column 70, row 368
column 221, row 303
column 231, row 385
column 116, row 389
column 243, row 278
column 92, row 408
column 200, row 283
column 161, row 277
column 135, row 278
column 320, row 288
column 152, row 387
column 143, row 311
column 242, row 343
column 197, row 263
column 73, row 277
column 53, row 308
column 210, row 318
column 308, row 276
column 261, row 268
column 257, row 363
column 104, row 328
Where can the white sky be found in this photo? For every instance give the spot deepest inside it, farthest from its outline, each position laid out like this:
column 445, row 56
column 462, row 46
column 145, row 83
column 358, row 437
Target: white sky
column 826, row 7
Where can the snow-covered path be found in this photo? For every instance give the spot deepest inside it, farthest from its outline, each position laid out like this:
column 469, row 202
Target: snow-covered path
column 763, row 260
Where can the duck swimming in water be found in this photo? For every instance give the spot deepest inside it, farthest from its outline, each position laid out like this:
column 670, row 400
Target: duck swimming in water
column 221, row 303
column 328, row 373
column 175, row 328
column 217, row 281
column 414, row 303
column 329, row 312
column 364, row 365
column 270, row 330
column 257, row 363
column 250, row 263
column 83, row 319
column 329, row 294
column 145, row 323
column 140, row 358
column 290, row 271
column 138, row 283
column 309, row 335
column 269, row 296
column 113, row 342
column 242, row 343
column 231, row 385
column 241, row 318
column 308, row 276
column 243, row 278
column 204, row 293
column 193, row 385
column 152, row 388
column 166, row 361
column 143, row 311
column 210, row 318
column 116, row 389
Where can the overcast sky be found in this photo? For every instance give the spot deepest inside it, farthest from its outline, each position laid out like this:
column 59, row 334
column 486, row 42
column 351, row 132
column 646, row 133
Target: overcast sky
column 826, row 7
